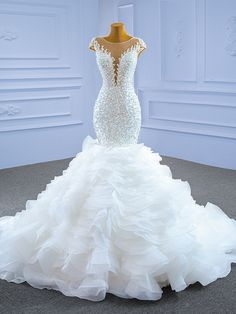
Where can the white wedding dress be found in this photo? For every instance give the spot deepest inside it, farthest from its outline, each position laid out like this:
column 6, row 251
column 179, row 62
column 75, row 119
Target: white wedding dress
column 116, row 221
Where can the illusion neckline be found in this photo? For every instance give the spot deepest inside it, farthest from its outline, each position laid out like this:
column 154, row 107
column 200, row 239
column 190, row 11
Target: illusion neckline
column 119, row 42
column 116, row 66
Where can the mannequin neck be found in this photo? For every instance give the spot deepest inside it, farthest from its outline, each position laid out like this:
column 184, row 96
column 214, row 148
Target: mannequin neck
column 118, row 33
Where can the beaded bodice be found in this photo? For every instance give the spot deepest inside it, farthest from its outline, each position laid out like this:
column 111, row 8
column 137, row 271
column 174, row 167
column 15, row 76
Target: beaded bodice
column 121, row 71
column 117, row 113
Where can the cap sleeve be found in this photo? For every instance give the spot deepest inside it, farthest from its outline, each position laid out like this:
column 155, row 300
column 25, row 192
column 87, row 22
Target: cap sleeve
column 92, row 44
column 142, row 45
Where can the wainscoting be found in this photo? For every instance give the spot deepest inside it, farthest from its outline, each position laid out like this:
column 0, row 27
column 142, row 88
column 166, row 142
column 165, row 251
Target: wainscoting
column 185, row 79
column 47, row 73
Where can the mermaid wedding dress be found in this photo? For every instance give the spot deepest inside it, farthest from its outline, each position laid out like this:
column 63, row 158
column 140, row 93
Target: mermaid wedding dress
column 116, row 221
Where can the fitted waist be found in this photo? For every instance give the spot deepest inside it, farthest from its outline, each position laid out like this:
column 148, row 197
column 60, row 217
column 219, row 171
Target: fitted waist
column 118, row 88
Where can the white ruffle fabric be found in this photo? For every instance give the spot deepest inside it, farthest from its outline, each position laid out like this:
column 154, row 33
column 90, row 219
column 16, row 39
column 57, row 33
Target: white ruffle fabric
column 116, row 221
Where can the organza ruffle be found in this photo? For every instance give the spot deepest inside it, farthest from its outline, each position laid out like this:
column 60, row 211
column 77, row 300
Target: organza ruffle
column 116, row 221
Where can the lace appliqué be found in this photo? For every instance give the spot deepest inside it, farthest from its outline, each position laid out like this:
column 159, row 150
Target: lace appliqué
column 117, row 111
column 91, row 44
column 115, row 67
column 142, row 45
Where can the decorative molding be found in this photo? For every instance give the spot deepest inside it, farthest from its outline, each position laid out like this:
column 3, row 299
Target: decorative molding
column 20, row 13
column 39, row 4
column 30, row 58
column 40, row 83
column 60, row 60
column 179, row 130
column 149, row 124
column 36, row 98
column 50, row 115
column 8, row 35
column 33, row 88
column 35, row 68
column 230, row 24
column 188, row 121
column 193, row 103
column 179, row 44
column 42, row 65
column 58, row 78
column 41, row 126
column 10, row 110
column 192, row 121
column 230, row 47
column 61, row 67
column 190, row 91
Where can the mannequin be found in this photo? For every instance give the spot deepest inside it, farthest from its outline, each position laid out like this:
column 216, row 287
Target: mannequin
column 117, row 42
column 118, row 33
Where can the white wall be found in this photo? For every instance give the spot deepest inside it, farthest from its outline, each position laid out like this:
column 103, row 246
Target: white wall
column 46, row 76
column 186, row 78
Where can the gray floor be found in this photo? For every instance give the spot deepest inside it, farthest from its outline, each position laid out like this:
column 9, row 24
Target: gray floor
column 207, row 183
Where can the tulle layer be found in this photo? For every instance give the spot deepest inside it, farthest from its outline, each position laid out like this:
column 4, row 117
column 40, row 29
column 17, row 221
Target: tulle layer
column 116, row 221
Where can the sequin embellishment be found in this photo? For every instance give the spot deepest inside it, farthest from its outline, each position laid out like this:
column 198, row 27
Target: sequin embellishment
column 117, row 112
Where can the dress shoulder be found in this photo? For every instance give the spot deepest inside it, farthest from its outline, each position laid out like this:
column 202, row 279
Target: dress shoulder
column 141, row 45
column 92, row 44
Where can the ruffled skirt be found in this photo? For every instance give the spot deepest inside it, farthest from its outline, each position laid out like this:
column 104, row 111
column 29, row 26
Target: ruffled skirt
column 116, row 221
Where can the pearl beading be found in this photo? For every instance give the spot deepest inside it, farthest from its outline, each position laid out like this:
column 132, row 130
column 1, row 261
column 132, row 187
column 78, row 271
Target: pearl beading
column 100, row 49
column 117, row 112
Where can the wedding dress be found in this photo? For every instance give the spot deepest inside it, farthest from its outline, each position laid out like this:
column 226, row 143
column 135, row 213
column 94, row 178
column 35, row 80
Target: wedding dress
column 116, row 221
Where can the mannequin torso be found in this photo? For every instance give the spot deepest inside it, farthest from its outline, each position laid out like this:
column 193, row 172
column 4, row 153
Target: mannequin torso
column 117, row 42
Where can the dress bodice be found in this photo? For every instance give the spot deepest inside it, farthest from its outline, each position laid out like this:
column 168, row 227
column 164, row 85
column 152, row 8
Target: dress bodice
column 117, row 112
column 117, row 72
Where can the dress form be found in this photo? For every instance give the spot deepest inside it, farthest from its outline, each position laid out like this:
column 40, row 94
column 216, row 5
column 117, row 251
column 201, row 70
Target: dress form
column 117, row 42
